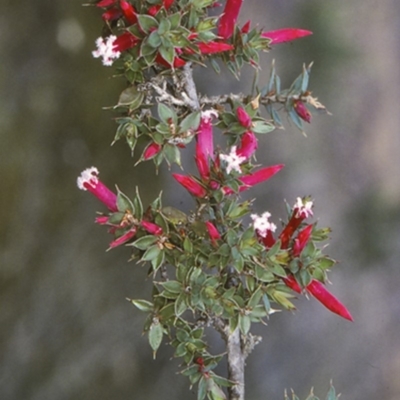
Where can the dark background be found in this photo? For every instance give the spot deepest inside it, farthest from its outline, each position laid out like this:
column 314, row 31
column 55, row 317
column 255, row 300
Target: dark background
column 67, row 331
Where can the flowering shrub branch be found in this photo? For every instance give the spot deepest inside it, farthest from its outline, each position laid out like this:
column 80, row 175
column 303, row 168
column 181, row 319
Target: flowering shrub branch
column 221, row 266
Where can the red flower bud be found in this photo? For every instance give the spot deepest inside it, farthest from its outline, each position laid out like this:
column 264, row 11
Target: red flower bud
column 125, row 42
column 285, row 35
column 111, row 14
column 168, row 3
column 243, row 117
column 259, row 176
column 248, row 145
column 105, row 3
column 151, row 150
column 213, row 231
column 124, row 238
column 246, row 27
column 229, row 17
column 191, row 185
column 302, row 111
column 321, row 293
column 153, row 10
column 128, row 11
column 214, row 47
column 153, row 229
column 302, row 239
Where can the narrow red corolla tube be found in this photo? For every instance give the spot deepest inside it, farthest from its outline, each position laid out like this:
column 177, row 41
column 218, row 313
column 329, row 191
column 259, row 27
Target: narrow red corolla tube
column 285, row 35
column 213, row 232
column 321, row 293
column 259, row 176
column 191, row 185
column 88, row 180
column 248, row 145
column 229, row 17
column 152, row 228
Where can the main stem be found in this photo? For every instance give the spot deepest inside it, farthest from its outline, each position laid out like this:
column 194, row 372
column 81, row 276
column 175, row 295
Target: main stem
column 236, row 359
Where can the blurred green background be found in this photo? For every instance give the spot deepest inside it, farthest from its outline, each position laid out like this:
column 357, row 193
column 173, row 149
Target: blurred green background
column 67, row 331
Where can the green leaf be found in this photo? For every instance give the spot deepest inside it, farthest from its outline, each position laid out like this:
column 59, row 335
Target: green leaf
column 144, row 242
column 166, row 114
column 262, row 127
column 202, row 388
column 142, row 305
column 190, row 122
column 167, row 312
column 154, row 40
column 215, row 391
column 172, row 286
column 155, row 335
column 255, row 297
column 124, row 203
column 130, row 96
column 244, row 324
column 332, row 394
column 172, row 154
column 174, row 216
column 167, row 53
column 147, row 23
column 180, row 305
column 151, row 253
column 164, row 26
column 157, row 261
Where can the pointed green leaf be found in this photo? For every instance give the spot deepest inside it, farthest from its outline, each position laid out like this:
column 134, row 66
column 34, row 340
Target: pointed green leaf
column 155, row 335
column 144, row 242
column 142, row 305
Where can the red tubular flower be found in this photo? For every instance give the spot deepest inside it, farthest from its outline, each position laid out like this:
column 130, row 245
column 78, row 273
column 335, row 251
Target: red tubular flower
column 153, row 229
column 300, row 212
column 321, row 293
column 248, row 145
column 102, row 220
column 243, row 117
column 214, row 47
column 124, row 238
column 151, row 150
column 178, row 62
column 204, row 135
column 246, row 27
column 125, row 42
column 291, row 282
column 112, row 14
column 129, row 12
column 302, row 239
column 285, row 35
column 213, row 232
column 153, row 10
column 88, row 180
column 229, row 17
column 202, row 163
column 302, row 111
column 259, row 176
column 105, row 3
column 168, row 3
column 191, row 185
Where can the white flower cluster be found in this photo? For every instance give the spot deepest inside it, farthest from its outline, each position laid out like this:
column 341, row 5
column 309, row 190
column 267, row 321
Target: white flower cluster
column 232, row 160
column 89, row 175
column 304, row 210
column 262, row 225
column 105, row 50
